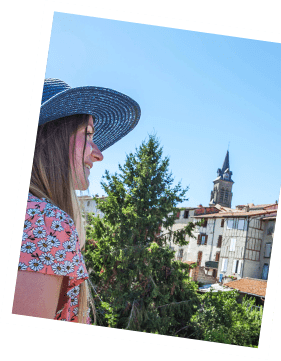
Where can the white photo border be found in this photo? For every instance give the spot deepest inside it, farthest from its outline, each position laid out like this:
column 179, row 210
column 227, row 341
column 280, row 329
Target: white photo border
column 262, row 352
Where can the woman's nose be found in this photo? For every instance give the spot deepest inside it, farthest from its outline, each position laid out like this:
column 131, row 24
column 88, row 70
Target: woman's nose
column 96, row 153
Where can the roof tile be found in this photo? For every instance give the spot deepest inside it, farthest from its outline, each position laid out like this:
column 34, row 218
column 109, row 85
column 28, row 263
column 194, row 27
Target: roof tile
column 249, row 285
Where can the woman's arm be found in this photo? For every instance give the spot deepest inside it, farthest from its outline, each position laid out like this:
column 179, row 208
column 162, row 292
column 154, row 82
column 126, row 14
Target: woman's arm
column 36, row 294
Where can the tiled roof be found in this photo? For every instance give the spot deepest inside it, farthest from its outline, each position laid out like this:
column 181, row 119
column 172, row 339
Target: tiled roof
column 238, row 213
column 263, row 205
column 257, row 206
column 85, row 197
column 251, row 286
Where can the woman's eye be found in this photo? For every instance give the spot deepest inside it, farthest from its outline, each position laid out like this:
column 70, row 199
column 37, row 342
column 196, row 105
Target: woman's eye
column 91, row 135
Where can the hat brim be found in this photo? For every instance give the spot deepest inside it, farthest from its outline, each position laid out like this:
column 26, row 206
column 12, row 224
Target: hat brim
column 115, row 114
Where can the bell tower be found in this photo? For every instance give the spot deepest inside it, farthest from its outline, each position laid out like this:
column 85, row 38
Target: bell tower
column 222, row 192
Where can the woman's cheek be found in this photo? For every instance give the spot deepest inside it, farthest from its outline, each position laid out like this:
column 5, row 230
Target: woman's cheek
column 88, row 151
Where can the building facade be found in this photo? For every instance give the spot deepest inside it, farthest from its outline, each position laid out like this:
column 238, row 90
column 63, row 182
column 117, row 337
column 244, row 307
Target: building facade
column 232, row 243
column 246, row 242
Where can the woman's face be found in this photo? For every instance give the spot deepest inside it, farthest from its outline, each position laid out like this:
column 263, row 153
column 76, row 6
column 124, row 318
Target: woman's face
column 81, row 165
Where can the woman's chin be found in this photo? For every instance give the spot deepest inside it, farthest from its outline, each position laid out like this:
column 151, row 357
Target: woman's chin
column 82, row 186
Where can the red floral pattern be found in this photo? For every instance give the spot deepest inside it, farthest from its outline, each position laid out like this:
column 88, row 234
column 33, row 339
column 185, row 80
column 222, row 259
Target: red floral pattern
column 50, row 245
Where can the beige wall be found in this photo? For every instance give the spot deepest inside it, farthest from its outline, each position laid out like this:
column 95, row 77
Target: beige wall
column 248, row 250
column 88, row 205
column 250, row 245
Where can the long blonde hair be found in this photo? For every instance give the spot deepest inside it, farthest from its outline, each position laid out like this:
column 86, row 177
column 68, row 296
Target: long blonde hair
column 51, row 177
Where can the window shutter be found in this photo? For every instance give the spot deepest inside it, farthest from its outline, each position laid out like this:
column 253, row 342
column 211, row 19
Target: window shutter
column 239, row 267
column 225, row 264
column 199, row 239
column 199, row 258
column 232, row 245
column 222, row 222
column 219, row 241
column 234, row 266
column 206, row 237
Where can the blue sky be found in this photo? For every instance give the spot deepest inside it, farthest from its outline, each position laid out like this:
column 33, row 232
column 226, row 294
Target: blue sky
column 200, row 93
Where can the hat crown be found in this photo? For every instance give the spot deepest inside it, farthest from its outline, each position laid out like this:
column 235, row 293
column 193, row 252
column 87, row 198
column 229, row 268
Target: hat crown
column 53, row 87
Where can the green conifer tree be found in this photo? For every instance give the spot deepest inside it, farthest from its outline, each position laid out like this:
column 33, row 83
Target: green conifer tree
column 136, row 282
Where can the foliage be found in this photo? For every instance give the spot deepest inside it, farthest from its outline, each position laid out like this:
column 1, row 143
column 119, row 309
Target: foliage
column 222, row 319
column 133, row 270
column 136, row 282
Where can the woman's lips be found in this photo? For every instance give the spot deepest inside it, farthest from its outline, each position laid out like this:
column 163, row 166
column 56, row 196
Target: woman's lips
column 88, row 167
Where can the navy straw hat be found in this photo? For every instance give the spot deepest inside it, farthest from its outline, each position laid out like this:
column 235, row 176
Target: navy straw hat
column 114, row 113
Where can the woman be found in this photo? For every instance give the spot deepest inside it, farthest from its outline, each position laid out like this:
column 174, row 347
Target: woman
column 75, row 125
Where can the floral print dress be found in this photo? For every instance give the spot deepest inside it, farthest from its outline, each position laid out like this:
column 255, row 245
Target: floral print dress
column 50, row 245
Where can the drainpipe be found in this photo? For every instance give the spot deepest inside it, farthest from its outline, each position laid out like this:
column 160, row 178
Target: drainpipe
column 248, row 222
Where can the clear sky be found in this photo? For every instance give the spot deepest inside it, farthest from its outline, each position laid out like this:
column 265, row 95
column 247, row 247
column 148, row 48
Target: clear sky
column 200, row 93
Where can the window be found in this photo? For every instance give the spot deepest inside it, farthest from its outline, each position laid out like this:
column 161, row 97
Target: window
column 181, row 253
column 202, row 239
column 239, row 267
column 199, row 258
column 88, row 203
column 229, row 224
column 232, row 245
column 222, row 222
column 270, row 230
column 219, row 241
column 235, row 266
column 236, row 223
column 205, row 223
column 186, row 212
column 217, row 256
column 224, row 265
column 267, row 251
column 214, row 273
column 241, row 224
column 265, row 271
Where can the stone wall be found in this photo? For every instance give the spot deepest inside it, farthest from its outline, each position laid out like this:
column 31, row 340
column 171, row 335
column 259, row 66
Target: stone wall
column 199, row 274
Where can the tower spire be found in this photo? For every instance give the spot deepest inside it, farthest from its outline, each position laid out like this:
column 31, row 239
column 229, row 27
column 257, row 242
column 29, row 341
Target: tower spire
column 225, row 163
column 221, row 194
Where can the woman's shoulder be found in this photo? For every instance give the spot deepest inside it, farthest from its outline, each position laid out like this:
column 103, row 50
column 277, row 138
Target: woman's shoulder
column 43, row 207
column 50, row 241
